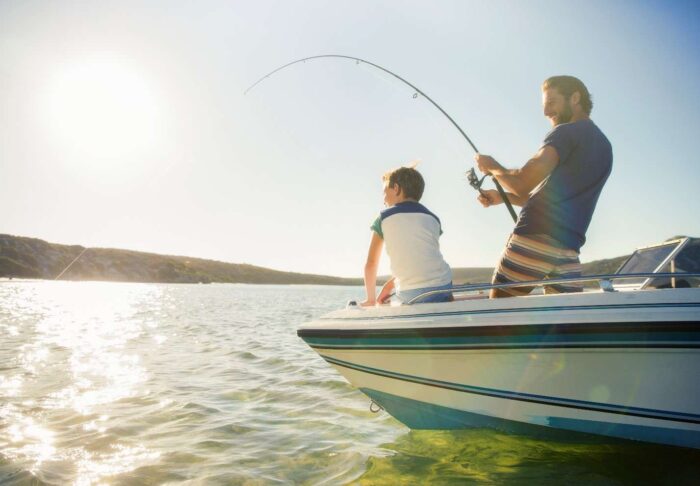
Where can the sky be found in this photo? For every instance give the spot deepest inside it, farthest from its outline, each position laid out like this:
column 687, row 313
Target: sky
column 125, row 124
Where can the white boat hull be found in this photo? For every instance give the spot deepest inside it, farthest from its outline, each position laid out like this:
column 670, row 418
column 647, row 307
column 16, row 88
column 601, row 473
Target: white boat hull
column 624, row 365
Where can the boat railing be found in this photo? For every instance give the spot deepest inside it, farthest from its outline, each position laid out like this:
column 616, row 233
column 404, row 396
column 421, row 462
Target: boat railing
column 604, row 282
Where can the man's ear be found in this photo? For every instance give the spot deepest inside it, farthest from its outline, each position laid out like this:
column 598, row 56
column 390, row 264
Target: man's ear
column 575, row 98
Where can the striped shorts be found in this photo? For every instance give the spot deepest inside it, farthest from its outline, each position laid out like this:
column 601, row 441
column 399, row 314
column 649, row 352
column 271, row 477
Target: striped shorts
column 537, row 257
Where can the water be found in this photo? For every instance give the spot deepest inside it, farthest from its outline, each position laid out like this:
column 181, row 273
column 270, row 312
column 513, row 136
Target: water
column 110, row 383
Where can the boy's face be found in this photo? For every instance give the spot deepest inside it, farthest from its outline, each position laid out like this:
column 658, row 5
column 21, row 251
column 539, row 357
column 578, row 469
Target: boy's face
column 392, row 194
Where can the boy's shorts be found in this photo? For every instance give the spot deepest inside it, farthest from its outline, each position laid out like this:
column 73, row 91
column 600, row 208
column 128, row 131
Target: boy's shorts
column 406, row 295
column 537, row 257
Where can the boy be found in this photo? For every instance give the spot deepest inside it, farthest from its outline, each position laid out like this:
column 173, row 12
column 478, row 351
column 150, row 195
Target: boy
column 411, row 234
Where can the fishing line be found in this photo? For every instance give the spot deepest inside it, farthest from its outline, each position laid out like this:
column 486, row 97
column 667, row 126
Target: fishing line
column 71, row 264
column 417, row 91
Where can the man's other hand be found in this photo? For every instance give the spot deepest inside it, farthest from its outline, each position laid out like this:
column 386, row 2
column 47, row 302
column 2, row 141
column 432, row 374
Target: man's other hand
column 490, row 197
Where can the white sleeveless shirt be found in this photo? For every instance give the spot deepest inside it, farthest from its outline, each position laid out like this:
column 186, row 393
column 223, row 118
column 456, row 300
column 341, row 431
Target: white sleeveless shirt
column 411, row 233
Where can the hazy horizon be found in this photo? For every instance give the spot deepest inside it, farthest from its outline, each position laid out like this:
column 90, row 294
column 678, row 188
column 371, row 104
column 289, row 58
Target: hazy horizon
column 357, row 276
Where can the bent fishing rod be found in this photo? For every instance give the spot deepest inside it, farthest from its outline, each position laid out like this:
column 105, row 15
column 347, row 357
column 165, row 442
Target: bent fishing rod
column 473, row 180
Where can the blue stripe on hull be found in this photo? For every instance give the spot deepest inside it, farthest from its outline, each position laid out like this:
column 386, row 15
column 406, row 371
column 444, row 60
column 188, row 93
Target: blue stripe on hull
column 682, row 334
column 422, row 415
column 526, row 397
column 632, row 340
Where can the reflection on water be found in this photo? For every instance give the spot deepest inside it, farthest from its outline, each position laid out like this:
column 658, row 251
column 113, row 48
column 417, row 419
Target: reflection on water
column 106, row 383
column 71, row 358
column 488, row 457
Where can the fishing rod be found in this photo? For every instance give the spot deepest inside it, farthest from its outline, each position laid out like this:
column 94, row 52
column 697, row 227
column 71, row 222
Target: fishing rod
column 418, row 91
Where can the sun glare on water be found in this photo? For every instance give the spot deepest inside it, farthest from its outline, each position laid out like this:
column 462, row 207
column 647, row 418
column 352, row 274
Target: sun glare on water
column 102, row 108
column 71, row 377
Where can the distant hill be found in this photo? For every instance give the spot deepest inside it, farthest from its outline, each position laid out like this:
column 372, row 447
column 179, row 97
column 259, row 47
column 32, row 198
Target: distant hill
column 467, row 275
column 22, row 257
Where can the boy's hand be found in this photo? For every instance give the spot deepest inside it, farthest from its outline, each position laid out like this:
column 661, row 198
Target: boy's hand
column 490, row 197
column 386, row 291
column 383, row 297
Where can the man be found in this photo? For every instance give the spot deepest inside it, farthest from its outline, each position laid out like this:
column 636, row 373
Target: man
column 558, row 190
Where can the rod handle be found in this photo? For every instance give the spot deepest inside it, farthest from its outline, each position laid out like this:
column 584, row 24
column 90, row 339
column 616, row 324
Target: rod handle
column 505, row 199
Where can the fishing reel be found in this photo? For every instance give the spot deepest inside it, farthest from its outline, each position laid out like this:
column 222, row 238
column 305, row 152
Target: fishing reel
column 476, row 183
column 474, row 180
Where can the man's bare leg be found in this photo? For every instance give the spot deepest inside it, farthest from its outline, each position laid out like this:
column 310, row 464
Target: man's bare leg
column 498, row 293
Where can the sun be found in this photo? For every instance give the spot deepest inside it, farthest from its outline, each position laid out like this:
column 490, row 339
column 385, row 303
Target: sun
column 102, row 108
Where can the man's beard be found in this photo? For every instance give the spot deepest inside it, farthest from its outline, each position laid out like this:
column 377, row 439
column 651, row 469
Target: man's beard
column 566, row 115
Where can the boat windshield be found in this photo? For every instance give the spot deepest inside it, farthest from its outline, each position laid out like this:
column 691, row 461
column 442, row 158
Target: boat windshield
column 649, row 259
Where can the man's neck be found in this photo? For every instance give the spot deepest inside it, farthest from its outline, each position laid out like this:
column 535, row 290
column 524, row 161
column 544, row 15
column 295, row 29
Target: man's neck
column 581, row 115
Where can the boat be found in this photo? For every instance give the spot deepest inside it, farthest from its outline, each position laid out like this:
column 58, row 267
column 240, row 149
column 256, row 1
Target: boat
column 620, row 360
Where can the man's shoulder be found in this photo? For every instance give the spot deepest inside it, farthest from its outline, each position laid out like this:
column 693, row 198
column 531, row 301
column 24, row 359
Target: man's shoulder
column 571, row 127
column 588, row 132
column 575, row 132
column 583, row 127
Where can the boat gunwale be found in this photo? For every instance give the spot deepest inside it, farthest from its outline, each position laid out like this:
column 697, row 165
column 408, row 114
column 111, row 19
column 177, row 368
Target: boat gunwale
column 604, row 281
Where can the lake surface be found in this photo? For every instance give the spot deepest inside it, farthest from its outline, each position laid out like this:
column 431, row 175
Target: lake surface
column 114, row 383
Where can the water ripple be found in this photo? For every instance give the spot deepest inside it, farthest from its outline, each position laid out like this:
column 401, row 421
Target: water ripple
column 105, row 383
column 130, row 383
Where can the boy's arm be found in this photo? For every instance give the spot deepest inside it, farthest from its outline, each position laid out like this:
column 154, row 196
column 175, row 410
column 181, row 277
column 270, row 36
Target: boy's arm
column 371, row 266
column 386, row 291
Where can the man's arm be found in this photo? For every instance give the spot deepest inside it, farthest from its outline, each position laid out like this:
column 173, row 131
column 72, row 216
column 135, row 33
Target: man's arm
column 522, row 181
column 371, row 266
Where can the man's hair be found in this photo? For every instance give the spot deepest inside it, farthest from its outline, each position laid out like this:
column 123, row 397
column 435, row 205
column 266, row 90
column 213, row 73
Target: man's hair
column 409, row 180
column 568, row 85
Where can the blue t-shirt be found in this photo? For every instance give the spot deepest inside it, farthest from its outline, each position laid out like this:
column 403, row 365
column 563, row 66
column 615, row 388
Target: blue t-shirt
column 562, row 206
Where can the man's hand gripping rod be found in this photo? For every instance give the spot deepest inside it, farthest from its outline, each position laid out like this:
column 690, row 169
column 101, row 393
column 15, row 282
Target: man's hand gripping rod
column 475, row 182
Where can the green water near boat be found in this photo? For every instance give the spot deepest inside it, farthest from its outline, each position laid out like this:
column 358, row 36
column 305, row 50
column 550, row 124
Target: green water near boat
column 106, row 383
column 489, row 457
